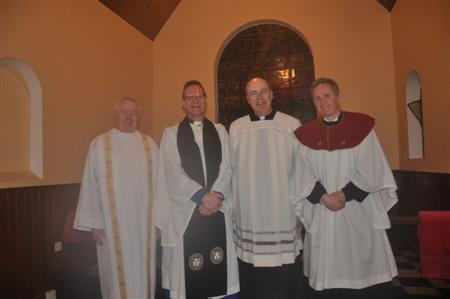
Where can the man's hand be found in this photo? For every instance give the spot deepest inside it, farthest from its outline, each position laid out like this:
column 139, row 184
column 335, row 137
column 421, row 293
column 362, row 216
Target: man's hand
column 98, row 235
column 211, row 203
column 204, row 211
column 334, row 201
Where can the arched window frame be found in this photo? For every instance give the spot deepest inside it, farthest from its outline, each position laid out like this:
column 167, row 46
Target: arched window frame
column 243, row 28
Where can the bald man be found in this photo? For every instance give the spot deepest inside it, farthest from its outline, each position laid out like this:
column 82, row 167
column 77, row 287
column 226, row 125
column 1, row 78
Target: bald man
column 266, row 234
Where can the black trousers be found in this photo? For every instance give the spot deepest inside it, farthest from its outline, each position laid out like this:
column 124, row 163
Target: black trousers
column 268, row 282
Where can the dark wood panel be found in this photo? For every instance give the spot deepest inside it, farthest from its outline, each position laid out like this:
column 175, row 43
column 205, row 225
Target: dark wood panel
column 421, row 191
column 13, row 203
column 4, row 247
column 36, row 235
column 31, row 221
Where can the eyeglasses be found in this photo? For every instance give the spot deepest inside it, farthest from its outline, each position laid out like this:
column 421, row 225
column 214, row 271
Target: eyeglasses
column 194, row 96
column 263, row 92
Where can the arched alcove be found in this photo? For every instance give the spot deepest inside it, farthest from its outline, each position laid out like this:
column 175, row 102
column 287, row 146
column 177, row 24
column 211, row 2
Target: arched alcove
column 414, row 117
column 274, row 51
column 32, row 86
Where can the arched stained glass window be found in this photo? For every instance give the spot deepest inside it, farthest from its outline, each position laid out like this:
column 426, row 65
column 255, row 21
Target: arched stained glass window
column 275, row 52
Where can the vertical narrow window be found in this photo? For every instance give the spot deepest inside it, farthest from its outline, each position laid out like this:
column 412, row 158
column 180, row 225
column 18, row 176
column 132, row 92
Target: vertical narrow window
column 414, row 117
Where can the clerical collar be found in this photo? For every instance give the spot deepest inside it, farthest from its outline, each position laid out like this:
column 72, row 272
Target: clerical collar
column 333, row 122
column 197, row 123
column 270, row 116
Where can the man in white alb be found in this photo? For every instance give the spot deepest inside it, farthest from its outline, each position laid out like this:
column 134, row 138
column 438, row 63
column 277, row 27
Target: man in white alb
column 194, row 205
column 115, row 204
column 347, row 253
column 266, row 234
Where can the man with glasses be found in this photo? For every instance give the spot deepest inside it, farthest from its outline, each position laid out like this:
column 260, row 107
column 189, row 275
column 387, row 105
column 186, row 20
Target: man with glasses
column 266, row 233
column 194, row 205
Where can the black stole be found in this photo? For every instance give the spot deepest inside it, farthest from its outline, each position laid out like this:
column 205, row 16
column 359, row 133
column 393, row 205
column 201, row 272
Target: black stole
column 204, row 276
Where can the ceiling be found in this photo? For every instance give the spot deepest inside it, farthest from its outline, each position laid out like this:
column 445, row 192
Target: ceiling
column 389, row 4
column 149, row 16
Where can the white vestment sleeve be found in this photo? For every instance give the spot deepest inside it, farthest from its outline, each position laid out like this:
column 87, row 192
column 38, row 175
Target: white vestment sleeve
column 374, row 175
column 155, row 162
column 180, row 186
column 223, row 181
column 372, row 171
column 89, row 214
column 305, row 182
column 174, row 206
column 156, row 168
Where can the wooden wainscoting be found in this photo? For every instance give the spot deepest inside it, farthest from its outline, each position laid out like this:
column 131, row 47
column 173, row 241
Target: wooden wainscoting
column 32, row 219
column 31, row 222
column 419, row 191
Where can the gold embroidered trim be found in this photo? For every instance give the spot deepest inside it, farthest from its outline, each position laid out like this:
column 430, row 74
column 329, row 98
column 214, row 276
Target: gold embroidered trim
column 114, row 216
column 148, row 155
column 115, row 219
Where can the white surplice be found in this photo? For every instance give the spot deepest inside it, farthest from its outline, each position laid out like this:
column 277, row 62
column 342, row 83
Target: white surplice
column 264, row 156
column 130, row 182
column 349, row 248
column 174, row 209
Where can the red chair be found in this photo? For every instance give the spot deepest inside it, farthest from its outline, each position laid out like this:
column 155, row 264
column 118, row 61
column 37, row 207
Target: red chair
column 434, row 243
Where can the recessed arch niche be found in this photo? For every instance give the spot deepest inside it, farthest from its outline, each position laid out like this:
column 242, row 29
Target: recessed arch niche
column 274, row 51
column 29, row 81
column 414, row 117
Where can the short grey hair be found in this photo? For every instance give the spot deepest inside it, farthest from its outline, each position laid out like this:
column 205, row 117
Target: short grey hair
column 328, row 81
column 125, row 99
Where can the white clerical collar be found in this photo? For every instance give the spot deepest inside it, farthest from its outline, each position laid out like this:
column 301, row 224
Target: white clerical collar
column 262, row 117
column 332, row 120
column 196, row 123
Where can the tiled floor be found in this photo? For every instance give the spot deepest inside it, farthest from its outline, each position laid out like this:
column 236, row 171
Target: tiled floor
column 408, row 285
